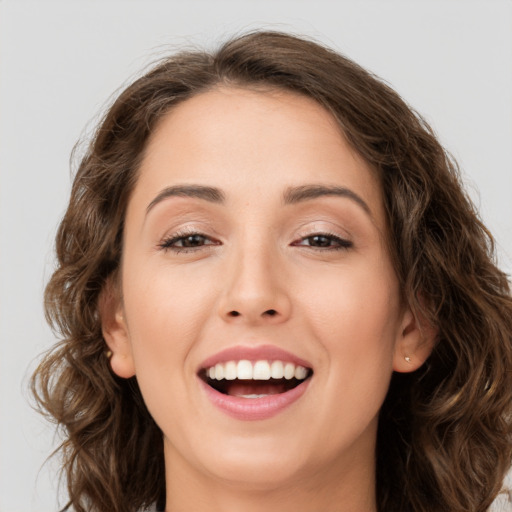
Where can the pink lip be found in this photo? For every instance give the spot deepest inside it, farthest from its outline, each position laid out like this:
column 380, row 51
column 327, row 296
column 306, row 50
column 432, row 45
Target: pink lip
column 251, row 409
column 258, row 353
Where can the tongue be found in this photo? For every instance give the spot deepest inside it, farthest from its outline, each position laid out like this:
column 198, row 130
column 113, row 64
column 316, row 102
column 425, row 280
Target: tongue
column 251, row 387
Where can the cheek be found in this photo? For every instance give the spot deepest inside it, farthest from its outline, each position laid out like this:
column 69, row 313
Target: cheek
column 166, row 315
column 166, row 311
column 356, row 318
column 358, row 302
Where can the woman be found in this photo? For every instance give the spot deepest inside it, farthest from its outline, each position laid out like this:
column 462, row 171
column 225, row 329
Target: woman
column 273, row 294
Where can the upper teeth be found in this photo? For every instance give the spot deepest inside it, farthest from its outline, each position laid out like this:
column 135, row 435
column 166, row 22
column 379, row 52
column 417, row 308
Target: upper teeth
column 257, row 370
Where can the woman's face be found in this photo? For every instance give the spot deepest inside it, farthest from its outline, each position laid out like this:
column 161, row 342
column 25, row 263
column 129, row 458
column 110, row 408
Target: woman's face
column 256, row 234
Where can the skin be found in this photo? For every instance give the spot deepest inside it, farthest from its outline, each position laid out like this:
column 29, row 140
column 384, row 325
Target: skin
column 336, row 307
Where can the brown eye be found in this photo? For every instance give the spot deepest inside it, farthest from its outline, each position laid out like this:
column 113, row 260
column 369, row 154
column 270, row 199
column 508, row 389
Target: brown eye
column 320, row 241
column 324, row 241
column 181, row 242
column 191, row 241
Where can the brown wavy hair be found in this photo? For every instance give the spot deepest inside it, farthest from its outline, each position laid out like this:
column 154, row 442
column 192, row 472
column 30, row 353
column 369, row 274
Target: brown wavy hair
column 444, row 440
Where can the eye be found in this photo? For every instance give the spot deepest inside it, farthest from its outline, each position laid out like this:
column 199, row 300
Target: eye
column 324, row 241
column 186, row 242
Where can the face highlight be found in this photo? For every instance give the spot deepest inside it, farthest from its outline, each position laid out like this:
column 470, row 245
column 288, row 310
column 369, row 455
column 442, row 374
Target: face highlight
column 260, row 312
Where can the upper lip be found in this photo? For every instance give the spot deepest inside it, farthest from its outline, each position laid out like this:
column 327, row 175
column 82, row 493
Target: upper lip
column 253, row 353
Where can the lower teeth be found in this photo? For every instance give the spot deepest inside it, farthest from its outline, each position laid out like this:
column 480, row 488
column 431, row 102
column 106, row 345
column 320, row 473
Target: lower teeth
column 251, row 396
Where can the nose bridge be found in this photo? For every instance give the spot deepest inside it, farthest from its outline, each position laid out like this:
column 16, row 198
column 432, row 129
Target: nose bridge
column 255, row 290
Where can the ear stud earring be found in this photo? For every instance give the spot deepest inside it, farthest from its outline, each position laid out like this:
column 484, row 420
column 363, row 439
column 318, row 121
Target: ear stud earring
column 108, row 354
column 407, row 359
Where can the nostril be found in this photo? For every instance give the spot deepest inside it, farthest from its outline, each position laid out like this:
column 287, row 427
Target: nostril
column 268, row 312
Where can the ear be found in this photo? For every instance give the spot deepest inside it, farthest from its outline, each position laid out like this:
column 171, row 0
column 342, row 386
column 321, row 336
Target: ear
column 115, row 331
column 415, row 342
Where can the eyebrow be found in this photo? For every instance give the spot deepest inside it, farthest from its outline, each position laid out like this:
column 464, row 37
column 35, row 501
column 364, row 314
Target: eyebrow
column 211, row 194
column 294, row 195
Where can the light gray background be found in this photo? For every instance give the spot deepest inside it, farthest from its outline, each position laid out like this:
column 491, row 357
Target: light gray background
column 61, row 61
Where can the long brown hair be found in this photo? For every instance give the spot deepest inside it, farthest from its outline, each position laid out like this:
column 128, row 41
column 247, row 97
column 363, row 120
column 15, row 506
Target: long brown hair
column 444, row 440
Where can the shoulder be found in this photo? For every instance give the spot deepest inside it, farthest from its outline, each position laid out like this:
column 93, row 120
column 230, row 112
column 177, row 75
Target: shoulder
column 503, row 502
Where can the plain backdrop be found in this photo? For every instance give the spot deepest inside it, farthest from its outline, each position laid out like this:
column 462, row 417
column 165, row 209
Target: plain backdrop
column 61, row 63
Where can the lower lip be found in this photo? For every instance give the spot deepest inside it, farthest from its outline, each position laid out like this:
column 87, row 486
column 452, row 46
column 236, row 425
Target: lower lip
column 252, row 409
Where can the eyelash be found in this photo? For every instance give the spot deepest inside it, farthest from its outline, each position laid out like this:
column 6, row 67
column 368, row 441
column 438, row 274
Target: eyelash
column 167, row 244
column 342, row 244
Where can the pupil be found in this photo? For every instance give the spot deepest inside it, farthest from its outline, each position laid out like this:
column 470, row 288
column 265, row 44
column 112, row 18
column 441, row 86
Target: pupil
column 321, row 241
column 192, row 241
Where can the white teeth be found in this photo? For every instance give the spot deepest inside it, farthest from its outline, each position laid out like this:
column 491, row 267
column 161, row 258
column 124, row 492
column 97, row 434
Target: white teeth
column 244, row 370
column 261, row 371
column 277, row 370
column 219, row 371
column 257, row 370
column 289, row 371
column 300, row 372
column 230, row 371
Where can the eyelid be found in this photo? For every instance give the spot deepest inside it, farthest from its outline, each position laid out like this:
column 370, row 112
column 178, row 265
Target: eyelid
column 323, row 226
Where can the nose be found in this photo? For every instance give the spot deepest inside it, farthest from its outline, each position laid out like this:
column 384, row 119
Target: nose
column 255, row 290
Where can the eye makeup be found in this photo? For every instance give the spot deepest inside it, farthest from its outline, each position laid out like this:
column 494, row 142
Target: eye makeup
column 187, row 240
column 323, row 241
column 190, row 240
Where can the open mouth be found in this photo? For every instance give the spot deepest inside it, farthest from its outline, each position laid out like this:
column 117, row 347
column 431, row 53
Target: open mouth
column 254, row 379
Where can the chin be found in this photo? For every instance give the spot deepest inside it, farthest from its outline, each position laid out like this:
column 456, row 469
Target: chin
column 252, row 461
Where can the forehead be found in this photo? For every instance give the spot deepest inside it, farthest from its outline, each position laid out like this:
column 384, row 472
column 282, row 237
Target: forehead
column 250, row 142
column 245, row 119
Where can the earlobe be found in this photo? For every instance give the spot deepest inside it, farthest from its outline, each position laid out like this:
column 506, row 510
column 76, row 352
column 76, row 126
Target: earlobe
column 414, row 344
column 115, row 332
